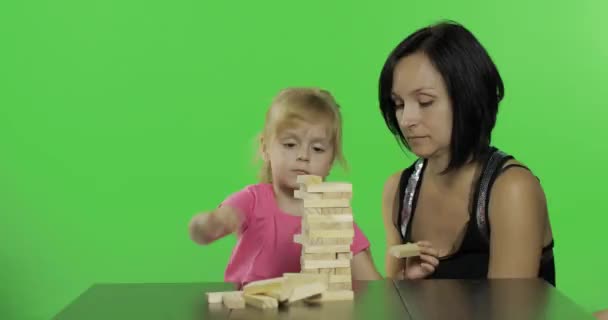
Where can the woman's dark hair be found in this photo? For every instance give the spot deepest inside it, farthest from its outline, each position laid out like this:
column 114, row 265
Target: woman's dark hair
column 472, row 80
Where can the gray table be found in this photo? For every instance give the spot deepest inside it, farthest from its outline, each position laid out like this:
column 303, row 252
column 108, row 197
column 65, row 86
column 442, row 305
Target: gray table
column 385, row 299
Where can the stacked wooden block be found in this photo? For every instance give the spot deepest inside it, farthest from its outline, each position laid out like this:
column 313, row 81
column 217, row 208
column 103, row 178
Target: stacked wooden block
column 327, row 230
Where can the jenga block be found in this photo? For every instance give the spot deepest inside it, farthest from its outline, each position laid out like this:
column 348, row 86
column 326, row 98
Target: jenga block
column 217, row 297
column 330, row 187
column 405, row 250
column 261, row 302
column 326, row 203
column 305, row 241
column 340, row 286
column 306, row 291
column 310, row 271
column 325, row 248
column 335, row 195
column 344, row 233
column 329, row 211
column 308, row 225
column 334, row 295
column 327, row 271
column 299, row 194
column 339, row 278
column 318, row 256
column 263, row 286
column 234, row 300
column 312, row 218
column 344, row 255
column 321, row 264
column 309, row 179
column 342, row 271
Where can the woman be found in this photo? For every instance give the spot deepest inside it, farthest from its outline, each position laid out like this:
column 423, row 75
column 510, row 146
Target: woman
column 475, row 211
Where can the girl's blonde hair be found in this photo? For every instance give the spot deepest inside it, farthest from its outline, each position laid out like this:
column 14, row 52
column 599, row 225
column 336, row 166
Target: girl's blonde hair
column 307, row 104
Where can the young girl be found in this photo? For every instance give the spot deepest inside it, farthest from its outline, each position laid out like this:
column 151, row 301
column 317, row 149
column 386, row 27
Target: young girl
column 302, row 136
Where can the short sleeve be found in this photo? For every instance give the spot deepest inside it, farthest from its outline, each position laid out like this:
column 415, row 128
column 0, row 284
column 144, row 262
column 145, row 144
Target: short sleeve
column 244, row 202
column 360, row 242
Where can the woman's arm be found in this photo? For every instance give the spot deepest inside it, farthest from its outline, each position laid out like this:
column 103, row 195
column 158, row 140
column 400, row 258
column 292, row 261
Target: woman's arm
column 518, row 219
column 393, row 266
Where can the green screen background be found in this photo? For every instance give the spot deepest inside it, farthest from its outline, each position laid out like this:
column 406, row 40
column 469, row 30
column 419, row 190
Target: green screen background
column 121, row 119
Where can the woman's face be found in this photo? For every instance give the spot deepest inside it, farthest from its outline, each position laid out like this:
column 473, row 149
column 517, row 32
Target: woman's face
column 422, row 106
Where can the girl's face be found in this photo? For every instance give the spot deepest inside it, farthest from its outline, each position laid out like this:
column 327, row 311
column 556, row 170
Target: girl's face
column 302, row 149
column 422, row 106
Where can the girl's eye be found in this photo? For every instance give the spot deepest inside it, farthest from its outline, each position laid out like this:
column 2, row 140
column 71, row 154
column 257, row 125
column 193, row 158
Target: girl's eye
column 289, row 145
column 318, row 149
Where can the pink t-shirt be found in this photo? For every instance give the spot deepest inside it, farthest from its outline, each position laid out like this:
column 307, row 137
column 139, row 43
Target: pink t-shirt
column 265, row 247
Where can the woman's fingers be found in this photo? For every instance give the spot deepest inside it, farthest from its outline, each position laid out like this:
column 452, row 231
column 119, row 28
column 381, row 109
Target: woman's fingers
column 429, row 259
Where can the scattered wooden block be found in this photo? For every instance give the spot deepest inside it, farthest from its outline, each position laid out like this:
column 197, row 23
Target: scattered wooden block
column 263, row 286
column 309, row 179
column 218, row 297
column 325, row 248
column 261, row 302
column 405, row 250
column 306, row 291
column 334, row 295
column 327, row 187
column 326, row 203
column 234, row 300
column 323, row 264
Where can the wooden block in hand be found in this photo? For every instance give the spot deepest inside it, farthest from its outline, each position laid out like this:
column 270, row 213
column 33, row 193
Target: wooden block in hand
column 327, row 187
column 263, row 286
column 405, row 250
column 261, row 302
column 234, row 300
column 326, row 203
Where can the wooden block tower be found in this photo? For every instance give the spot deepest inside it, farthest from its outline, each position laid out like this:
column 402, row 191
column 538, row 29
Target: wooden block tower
column 327, row 232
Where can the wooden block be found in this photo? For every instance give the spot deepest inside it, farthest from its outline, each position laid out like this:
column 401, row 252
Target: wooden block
column 306, row 225
column 310, row 271
column 329, row 211
column 344, row 255
column 308, row 179
column 261, row 302
column 218, row 297
column 323, row 264
column 326, row 203
column 305, row 241
column 306, row 291
column 318, row 256
column 344, row 233
column 330, row 187
column 312, row 218
column 335, row 195
column 325, row 248
column 340, row 278
column 234, row 301
column 327, row 271
column 263, row 286
column 342, row 271
column 405, row 250
column 334, row 295
column 340, row 286
column 303, row 195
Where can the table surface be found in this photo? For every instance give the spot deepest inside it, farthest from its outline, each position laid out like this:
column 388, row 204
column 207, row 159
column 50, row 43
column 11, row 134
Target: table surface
column 383, row 299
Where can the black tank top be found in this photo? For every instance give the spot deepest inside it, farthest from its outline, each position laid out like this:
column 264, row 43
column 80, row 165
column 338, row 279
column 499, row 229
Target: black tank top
column 471, row 260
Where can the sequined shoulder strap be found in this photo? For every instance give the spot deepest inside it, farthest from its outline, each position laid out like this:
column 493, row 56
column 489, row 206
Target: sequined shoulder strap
column 495, row 162
column 408, row 197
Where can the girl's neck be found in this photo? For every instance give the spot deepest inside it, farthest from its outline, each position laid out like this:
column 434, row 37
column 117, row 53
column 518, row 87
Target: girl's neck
column 285, row 200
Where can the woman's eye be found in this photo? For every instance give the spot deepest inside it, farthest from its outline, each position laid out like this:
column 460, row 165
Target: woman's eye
column 426, row 103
